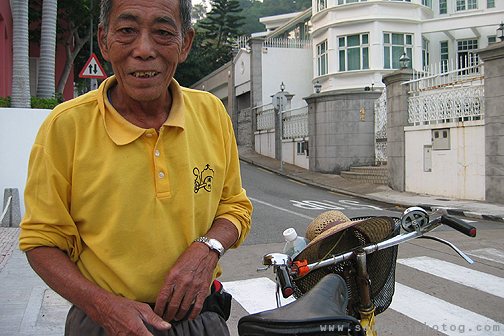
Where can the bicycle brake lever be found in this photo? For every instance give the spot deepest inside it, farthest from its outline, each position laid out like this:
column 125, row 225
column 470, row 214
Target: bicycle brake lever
column 455, row 248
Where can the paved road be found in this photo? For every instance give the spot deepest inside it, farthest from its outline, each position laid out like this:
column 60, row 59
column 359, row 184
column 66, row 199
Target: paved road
column 437, row 292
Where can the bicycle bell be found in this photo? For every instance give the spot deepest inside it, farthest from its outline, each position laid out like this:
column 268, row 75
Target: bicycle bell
column 414, row 219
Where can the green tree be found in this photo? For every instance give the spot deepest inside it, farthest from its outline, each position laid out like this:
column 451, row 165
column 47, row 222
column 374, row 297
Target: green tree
column 220, row 24
column 72, row 30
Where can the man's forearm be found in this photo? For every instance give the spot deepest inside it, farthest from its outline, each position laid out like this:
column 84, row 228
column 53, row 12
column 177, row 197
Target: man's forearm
column 58, row 271
column 224, row 231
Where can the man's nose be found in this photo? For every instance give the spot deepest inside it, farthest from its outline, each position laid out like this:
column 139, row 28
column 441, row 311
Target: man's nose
column 145, row 46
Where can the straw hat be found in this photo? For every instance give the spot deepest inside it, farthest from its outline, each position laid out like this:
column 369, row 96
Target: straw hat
column 329, row 235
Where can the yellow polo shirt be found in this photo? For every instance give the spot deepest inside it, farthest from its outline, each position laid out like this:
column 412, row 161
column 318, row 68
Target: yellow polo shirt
column 124, row 202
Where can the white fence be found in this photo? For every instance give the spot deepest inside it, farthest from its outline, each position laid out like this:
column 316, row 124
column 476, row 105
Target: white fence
column 444, row 93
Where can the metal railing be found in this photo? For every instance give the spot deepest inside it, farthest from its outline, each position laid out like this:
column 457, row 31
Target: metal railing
column 444, row 93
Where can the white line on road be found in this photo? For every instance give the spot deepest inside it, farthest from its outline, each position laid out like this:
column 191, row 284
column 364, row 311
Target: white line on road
column 488, row 254
column 254, row 295
column 281, row 209
column 462, row 275
column 441, row 315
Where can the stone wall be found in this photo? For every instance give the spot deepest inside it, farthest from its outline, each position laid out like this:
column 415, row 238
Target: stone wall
column 341, row 130
column 493, row 58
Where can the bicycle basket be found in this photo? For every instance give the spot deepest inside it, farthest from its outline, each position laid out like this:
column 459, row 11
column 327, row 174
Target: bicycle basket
column 354, row 233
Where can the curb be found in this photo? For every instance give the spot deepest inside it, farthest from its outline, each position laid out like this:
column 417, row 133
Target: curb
column 427, row 207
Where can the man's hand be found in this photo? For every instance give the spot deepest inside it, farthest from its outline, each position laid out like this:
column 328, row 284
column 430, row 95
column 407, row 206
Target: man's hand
column 121, row 316
column 187, row 282
column 189, row 279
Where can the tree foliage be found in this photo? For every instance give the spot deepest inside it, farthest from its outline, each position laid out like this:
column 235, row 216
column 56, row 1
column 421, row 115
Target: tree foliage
column 73, row 34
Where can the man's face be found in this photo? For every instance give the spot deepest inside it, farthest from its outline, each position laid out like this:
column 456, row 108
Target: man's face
column 144, row 43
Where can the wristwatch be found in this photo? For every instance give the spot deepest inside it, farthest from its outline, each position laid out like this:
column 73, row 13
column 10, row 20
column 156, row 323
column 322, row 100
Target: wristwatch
column 213, row 244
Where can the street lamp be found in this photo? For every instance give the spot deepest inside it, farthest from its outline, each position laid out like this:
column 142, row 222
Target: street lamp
column 317, row 87
column 500, row 32
column 404, row 60
column 282, row 86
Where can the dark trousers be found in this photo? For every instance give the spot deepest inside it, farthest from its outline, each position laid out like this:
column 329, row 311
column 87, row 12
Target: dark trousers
column 210, row 322
column 206, row 324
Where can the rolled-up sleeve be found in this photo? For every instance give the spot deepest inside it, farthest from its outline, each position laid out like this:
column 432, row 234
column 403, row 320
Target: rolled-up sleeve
column 47, row 220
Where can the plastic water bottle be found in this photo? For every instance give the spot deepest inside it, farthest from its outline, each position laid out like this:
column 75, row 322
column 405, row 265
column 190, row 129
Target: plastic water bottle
column 294, row 243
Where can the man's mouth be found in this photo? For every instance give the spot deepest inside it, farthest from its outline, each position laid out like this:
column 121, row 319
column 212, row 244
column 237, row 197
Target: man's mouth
column 144, row 74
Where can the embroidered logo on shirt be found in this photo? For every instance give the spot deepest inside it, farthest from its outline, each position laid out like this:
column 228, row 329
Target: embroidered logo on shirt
column 203, row 179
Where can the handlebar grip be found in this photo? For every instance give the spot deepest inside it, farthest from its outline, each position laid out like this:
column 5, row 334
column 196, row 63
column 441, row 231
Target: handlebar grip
column 459, row 225
column 284, row 280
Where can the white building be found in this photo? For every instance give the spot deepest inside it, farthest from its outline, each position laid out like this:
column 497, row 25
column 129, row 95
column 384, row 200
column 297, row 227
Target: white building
column 356, row 42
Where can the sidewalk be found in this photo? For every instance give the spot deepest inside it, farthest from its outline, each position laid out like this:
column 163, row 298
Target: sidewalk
column 28, row 307
column 376, row 192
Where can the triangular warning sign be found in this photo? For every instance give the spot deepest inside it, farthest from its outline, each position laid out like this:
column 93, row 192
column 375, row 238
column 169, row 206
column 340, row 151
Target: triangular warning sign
column 93, row 69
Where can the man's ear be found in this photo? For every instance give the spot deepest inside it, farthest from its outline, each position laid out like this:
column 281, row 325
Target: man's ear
column 186, row 47
column 102, row 42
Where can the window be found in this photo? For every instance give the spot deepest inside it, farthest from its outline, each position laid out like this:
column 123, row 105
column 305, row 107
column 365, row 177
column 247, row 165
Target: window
column 466, row 57
column 466, row 4
column 395, row 45
column 492, row 39
column 321, row 4
column 427, row 3
column 444, row 56
column 322, row 61
column 490, row 3
column 443, row 7
column 353, row 52
column 425, row 53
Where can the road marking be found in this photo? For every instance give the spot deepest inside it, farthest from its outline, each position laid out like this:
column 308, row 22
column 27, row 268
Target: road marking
column 339, row 194
column 296, row 182
column 488, row 254
column 441, row 315
column 462, row 275
column 264, row 170
column 330, row 205
column 281, row 209
column 254, row 295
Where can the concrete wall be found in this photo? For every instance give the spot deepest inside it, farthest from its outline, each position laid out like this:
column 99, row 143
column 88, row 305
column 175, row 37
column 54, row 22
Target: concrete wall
column 340, row 135
column 493, row 57
column 291, row 66
column 18, row 129
column 456, row 172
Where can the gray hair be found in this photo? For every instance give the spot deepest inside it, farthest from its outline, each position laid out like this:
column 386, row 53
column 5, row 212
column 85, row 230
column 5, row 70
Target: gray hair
column 185, row 14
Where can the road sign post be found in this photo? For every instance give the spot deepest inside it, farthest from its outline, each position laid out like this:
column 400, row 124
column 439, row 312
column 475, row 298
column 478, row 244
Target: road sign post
column 279, row 102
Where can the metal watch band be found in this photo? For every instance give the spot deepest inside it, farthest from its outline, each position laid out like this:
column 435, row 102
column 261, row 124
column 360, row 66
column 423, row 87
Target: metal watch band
column 213, row 244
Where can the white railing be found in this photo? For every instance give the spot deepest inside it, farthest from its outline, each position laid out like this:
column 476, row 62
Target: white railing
column 6, row 208
column 295, row 123
column 380, row 110
column 445, row 93
column 265, row 117
column 287, row 43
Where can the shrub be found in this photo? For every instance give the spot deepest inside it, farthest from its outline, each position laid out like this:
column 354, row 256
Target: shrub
column 5, row 102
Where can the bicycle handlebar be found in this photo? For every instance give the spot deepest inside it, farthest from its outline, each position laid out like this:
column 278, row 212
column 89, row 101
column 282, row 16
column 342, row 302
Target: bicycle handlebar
column 284, row 281
column 459, row 225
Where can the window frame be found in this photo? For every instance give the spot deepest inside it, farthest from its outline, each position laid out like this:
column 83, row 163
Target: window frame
column 363, row 47
column 322, row 58
column 391, row 62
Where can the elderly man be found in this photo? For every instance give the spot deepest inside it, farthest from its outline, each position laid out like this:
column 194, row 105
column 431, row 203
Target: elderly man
column 134, row 189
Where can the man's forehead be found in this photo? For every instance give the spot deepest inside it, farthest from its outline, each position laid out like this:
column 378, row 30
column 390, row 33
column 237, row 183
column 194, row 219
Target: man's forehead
column 165, row 11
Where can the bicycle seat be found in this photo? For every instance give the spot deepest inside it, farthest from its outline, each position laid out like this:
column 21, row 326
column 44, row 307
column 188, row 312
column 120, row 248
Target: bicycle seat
column 321, row 311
